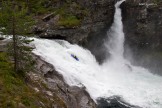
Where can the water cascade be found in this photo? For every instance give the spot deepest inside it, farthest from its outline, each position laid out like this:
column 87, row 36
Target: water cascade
column 115, row 77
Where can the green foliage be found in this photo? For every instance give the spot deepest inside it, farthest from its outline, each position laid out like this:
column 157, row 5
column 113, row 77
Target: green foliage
column 23, row 22
column 16, row 21
column 13, row 89
column 69, row 21
column 71, row 14
column 37, row 6
column 25, row 62
column 26, row 101
column 67, row 18
column 157, row 1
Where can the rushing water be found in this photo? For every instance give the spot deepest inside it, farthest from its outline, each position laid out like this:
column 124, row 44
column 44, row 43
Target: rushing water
column 115, row 77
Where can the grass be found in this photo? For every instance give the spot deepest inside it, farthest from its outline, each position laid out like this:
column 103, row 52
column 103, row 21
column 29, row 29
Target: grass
column 12, row 86
column 67, row 19
column 71, row 14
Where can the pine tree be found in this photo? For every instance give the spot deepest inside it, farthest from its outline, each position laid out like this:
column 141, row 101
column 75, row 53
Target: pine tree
column 17, row 23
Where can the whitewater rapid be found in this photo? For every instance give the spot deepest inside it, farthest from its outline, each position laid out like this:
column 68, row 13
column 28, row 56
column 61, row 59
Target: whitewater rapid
column 115, row 77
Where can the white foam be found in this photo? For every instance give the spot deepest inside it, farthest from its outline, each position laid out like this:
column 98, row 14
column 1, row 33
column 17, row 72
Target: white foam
column 137, row 86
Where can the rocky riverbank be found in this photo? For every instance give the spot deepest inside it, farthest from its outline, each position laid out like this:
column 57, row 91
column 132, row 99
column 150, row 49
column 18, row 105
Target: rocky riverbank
column 72, row 97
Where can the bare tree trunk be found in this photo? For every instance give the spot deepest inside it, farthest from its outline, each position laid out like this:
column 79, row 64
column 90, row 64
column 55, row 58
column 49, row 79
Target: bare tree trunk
column 28, row 6
column 14, row 43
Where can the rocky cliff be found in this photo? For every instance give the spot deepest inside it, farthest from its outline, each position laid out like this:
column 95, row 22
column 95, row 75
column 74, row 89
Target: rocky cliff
column 142, row 22
column 56, row 88
column 142, row 27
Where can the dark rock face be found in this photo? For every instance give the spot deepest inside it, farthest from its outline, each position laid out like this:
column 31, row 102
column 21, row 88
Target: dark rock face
column 143, row 31
column 72, row 97
column 100, row 20
column 113, row 102
column 143, row 24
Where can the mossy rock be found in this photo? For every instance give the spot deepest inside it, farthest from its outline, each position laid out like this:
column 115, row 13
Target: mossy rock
column 69, row 21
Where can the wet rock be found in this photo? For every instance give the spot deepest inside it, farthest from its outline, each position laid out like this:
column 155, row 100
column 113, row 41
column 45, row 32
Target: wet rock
column 113, row 102
column 3, row 45
column 73, row 97
column 49, row 93
column 1, row 38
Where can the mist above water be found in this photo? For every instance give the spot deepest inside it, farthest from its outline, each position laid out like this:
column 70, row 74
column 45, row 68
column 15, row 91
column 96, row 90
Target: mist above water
column 115, row 77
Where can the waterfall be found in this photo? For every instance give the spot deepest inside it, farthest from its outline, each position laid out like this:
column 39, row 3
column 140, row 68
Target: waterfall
column 115, row 45
column 115, row 77
column 116, row 35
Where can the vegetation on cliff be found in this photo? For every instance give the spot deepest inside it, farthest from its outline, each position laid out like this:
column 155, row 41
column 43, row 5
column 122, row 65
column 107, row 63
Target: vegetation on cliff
column 16, row 22
column 157, row 1
column 18, row 92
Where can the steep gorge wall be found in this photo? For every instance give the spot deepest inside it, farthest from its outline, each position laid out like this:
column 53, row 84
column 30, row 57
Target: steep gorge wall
column 143, row 24
column 143, row 29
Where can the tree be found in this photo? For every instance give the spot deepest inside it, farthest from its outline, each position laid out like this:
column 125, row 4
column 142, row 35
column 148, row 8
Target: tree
column 17, row 23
